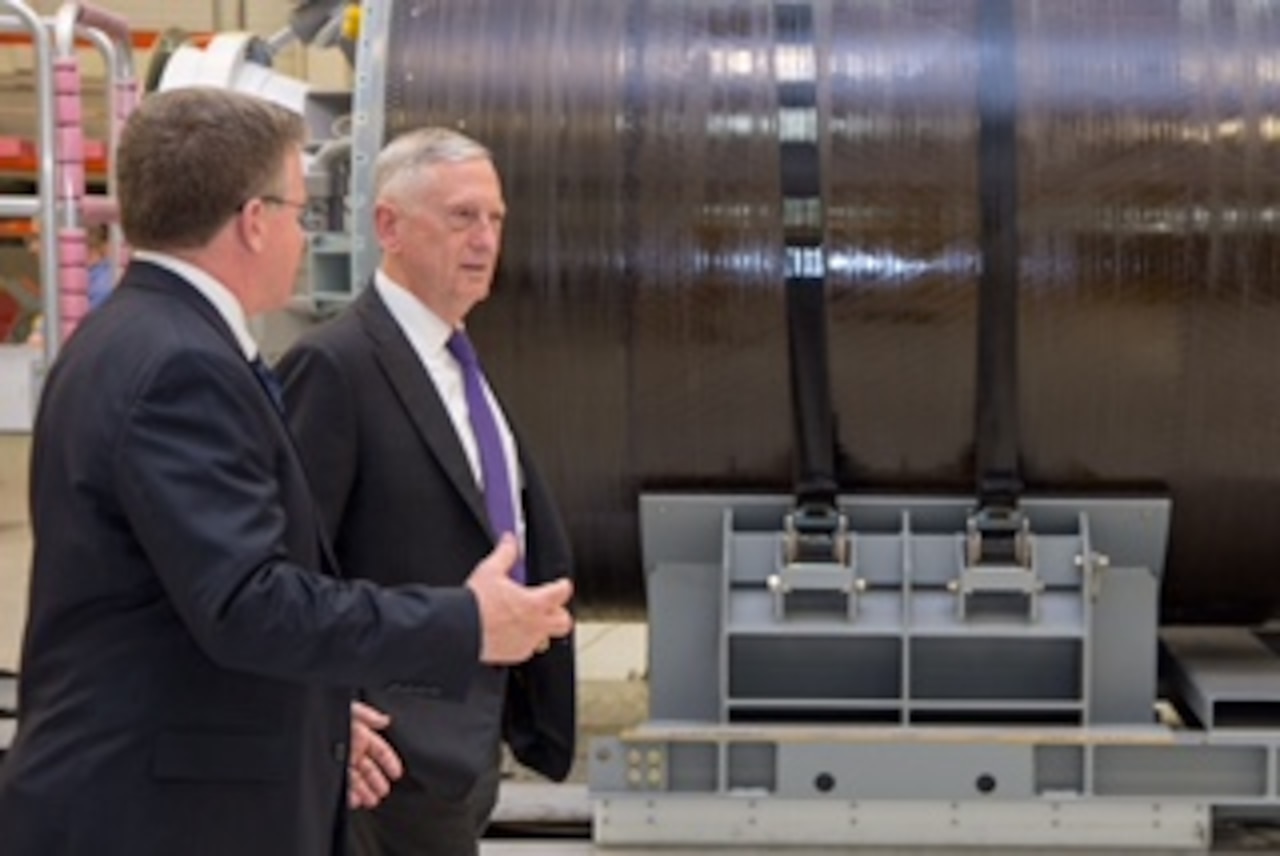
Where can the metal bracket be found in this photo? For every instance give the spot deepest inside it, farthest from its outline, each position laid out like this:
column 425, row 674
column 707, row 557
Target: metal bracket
column 998, row 566
column 816, row 558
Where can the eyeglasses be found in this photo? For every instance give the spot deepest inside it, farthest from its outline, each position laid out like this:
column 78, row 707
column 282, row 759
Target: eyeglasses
column 269, row 199
column 300, row 207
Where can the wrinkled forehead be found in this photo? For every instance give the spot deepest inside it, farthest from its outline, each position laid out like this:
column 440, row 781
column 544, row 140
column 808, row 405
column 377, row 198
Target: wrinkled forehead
column 475, row 180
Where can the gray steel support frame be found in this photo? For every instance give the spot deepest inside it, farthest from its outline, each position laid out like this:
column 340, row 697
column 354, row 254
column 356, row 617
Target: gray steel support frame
column 714, row 643
column 911, row 725
column 1131, row 788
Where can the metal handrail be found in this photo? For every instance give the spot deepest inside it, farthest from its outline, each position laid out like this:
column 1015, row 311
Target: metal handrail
column 24, row 19
column 54, row 39
column 113, row 39
column 110, row 33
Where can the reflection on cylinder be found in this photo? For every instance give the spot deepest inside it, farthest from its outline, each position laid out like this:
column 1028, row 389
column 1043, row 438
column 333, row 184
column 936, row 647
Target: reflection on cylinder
column 638, row 326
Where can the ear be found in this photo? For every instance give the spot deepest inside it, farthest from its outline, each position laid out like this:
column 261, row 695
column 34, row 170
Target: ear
column 251, row 225
column 386, row 225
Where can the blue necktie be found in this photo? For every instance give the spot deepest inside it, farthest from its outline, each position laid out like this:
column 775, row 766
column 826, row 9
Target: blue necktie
column 269, row 382
column 493, row 458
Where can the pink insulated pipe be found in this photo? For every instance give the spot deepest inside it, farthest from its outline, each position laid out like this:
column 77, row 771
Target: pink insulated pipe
column 72, row 298
column 73, row 276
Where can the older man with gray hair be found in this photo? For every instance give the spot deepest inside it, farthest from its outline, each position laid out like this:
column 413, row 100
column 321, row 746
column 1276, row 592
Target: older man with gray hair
column 419, row 471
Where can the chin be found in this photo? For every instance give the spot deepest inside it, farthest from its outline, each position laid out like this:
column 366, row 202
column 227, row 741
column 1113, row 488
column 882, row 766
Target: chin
column 478, row 288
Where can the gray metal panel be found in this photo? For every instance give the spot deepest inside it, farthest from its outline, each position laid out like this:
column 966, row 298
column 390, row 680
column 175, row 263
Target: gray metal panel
column 1121, row 826
column 608, row 769
column 752, row 766
column 879, row 559
column 808, row 668
column 934, row 614
column 678, row 528
column 904, row 771
column 691, row 767
column 751, row 611
column 754, row 557
column 1055, row 559
column 1201, row 772
column 684, row 611
column 1060, row 769
column 1221, row 669
column 1132, row 532
column 1122, row 646
column 1013, row 671
column 934, row 558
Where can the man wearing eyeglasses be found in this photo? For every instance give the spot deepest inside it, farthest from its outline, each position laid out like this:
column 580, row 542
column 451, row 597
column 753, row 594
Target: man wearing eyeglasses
column 412, row 457
column 190, row 641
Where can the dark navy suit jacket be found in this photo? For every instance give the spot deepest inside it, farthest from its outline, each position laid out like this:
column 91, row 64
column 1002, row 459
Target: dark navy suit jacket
column 396, row 491
column 182, row 685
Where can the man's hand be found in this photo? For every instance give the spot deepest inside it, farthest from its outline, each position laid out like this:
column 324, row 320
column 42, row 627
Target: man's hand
column 373, row 764
column 516, row 620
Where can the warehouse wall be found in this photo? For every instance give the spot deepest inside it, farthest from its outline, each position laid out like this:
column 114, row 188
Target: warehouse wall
column 323, row 68
column 193, row 15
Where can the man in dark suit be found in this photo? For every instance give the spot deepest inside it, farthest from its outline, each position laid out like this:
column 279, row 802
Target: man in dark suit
column 384, row 409
column 188, row 640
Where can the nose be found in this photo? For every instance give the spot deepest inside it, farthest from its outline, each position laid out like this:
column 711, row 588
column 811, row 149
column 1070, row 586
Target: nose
column 484, row 232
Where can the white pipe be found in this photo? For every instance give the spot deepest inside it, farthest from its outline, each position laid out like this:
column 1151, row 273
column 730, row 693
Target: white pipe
column 19, row 206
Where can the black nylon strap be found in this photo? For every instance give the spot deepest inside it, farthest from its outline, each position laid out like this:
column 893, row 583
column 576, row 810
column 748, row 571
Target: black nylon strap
column 999, row 484
column 805, row 255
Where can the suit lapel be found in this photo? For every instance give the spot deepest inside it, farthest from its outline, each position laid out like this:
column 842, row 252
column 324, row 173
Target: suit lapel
column 160, row 280
column 419, row 398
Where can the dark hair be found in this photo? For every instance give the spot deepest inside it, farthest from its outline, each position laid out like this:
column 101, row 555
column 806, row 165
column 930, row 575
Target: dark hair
column 189, row 158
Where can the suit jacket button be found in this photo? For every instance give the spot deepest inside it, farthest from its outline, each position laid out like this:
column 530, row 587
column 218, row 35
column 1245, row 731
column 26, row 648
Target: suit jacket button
column 340, row 752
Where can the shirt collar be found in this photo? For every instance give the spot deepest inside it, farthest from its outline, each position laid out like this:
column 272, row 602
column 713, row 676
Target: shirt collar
column 412, row 314
column 213, row 291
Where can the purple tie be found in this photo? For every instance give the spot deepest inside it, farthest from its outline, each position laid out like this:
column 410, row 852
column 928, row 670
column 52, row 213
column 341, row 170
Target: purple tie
column 493, row 459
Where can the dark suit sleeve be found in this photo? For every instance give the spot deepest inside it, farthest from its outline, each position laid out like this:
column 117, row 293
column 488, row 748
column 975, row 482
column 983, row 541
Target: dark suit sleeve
column 322, row 419
column 199, row 462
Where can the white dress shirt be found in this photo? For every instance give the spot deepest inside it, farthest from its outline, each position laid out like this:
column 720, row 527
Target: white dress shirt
column 429, row 335
column 215, row 292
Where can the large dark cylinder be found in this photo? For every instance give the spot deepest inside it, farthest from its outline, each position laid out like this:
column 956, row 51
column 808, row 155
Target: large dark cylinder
column 638, row 325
